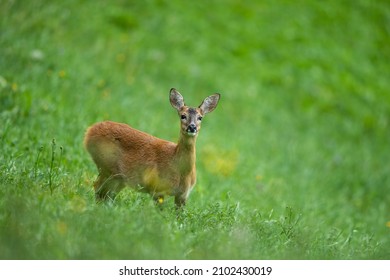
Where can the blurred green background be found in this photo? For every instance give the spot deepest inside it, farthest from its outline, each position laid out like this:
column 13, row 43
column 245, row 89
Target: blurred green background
column 293, row 164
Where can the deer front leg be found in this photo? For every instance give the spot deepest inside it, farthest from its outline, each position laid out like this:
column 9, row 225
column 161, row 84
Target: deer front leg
column 180, row 200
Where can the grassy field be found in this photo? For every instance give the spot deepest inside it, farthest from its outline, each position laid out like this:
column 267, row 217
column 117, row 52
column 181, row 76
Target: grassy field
column 293, row 164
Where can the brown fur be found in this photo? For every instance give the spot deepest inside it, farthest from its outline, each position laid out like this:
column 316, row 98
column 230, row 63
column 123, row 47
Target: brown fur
column 127, row 156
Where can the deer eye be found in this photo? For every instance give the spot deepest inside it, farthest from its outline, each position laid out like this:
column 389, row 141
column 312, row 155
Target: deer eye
column 200, row 118
column 183, row 117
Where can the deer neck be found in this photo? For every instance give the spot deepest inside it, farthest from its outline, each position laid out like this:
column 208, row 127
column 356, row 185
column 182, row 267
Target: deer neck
column 186, row 153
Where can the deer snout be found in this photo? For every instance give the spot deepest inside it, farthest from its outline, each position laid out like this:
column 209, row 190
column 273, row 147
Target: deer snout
column 191, row 129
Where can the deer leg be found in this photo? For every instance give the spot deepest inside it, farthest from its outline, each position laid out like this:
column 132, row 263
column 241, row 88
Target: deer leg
column 180, row 201
column 106, row 188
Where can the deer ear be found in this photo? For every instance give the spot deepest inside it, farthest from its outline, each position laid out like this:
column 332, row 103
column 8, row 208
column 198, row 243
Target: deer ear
column 210, row 103
column 177, row 101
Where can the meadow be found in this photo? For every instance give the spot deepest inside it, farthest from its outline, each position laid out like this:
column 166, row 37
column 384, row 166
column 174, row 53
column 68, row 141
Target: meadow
column 293, row 164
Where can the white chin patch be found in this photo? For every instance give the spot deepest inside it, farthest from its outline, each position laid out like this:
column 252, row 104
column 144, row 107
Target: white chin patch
column 191, row 133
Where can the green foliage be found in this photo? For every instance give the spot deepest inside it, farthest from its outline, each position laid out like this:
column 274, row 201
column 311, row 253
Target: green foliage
column 293, row 164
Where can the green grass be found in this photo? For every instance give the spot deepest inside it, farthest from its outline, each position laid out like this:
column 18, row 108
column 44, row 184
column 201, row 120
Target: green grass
column 293, row 164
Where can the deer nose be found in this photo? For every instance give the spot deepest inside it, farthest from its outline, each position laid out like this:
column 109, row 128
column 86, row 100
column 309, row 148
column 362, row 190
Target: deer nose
column 191, row 128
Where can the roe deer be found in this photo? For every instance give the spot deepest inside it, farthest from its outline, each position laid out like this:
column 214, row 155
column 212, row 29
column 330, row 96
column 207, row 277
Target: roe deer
column 126, row 156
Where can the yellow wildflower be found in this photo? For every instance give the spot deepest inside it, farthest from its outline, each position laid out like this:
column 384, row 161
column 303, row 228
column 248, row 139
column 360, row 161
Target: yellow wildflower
column 62, row 74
